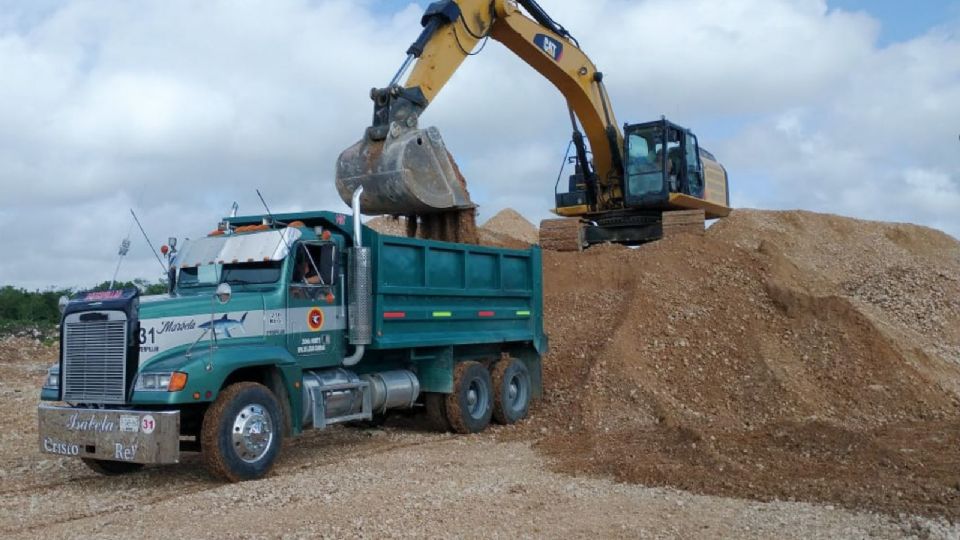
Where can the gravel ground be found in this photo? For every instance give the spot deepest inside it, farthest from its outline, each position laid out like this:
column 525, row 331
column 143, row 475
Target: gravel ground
column 399, row 481
column 700, row 389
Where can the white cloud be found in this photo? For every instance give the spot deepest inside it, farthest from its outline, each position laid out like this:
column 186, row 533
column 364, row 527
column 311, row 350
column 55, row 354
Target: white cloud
column 179, row 108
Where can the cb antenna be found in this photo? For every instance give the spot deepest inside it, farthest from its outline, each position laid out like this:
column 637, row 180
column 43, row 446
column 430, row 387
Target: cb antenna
column 272, row 220
column 163, row 269
column 283, row 237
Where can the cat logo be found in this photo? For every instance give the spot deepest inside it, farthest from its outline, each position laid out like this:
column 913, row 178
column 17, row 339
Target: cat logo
column 315, row 319
column 550, row 46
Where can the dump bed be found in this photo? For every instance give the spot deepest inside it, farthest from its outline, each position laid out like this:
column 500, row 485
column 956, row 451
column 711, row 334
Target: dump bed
column 429, row 293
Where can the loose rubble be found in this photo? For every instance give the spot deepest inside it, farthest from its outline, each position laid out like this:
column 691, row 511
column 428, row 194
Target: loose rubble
column 783, row 356
column 787, row 374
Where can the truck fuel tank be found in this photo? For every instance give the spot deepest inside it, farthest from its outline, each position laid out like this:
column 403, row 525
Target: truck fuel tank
column 409, row 172
column 341, row 394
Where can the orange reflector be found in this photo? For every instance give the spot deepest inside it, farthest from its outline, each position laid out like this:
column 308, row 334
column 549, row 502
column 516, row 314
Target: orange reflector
column 325, row 235
column 178, row 381
column 330, row 298
column 196, row 395
column 164, row 249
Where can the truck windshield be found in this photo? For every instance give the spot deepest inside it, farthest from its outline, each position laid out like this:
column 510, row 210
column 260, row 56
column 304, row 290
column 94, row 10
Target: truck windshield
column 207, row 275
column 209, row 261
column 258, row 273
column 210, row 275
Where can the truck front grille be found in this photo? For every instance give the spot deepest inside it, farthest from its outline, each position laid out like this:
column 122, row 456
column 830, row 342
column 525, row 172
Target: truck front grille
column 95, row 357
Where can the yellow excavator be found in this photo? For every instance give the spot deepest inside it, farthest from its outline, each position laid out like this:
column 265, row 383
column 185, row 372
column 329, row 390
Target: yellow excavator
column 628, row 186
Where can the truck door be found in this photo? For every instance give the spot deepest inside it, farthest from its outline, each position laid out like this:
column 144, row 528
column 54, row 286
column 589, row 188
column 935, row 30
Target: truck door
column 314, row 307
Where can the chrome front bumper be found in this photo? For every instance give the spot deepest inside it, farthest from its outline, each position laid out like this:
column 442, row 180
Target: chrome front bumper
column 110, row 434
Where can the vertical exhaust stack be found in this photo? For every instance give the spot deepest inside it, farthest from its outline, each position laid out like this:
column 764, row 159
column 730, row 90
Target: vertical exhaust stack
column 359, row 298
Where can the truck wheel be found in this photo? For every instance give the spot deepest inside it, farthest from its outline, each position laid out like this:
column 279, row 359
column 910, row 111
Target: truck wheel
column 470, row 405
column 111, row 468
column 436, row 406
column 511, row 391
column 240, row 437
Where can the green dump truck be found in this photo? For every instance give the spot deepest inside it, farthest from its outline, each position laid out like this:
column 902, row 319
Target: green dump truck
column 279, row 323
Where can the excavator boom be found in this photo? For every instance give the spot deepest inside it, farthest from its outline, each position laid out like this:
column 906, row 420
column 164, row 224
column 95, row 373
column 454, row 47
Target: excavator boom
column 407, row 170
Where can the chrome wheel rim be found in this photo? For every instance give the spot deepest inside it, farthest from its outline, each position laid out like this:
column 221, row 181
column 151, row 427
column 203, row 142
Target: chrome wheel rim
column 252, row 433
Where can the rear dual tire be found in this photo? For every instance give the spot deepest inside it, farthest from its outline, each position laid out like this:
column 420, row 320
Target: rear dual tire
column 470, row 406
column 511, row 382
column 479, row 395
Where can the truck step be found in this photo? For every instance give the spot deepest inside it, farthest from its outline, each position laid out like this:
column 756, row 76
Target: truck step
column 321, row 393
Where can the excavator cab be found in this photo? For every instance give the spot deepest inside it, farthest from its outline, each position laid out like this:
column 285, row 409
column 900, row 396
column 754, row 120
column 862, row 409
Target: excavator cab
column 661, row 158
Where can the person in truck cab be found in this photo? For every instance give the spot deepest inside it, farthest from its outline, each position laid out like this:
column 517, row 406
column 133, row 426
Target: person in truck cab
column 306, row 273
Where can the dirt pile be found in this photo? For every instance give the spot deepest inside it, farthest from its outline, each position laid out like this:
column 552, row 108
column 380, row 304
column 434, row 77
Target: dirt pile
column 505, row 229
column 508, row 222
column 391, row 225
column 784, row 355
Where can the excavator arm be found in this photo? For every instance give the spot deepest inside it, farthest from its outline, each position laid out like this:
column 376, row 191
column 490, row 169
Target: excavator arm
column 406, row 170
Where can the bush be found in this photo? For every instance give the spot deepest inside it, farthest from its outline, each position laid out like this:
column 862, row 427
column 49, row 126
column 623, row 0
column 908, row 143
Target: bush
column 20, row 308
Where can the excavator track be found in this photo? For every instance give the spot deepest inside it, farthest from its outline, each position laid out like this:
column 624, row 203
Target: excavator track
column 564, row 234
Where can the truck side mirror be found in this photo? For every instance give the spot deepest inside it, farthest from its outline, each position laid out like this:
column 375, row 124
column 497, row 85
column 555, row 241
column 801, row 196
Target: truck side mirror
column 171, row 278
column 224, row 292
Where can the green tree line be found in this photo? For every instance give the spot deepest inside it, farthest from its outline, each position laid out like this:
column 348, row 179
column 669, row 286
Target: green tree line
column 20, row 307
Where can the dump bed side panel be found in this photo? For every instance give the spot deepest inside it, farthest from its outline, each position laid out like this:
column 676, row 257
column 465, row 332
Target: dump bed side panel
column 431, row 293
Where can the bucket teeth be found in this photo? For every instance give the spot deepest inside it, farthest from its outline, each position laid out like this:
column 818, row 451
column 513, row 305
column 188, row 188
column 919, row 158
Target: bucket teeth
column 409, row 172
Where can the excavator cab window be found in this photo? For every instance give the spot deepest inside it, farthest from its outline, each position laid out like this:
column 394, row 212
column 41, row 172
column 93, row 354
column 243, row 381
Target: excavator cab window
column 694, row 172
column 674, row 160
column 646, row 163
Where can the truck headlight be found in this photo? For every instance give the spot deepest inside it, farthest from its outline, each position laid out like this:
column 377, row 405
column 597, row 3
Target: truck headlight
column 172, row 381
column 52, row 380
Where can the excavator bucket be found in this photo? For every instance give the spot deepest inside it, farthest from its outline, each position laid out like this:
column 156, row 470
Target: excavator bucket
column 409, row 173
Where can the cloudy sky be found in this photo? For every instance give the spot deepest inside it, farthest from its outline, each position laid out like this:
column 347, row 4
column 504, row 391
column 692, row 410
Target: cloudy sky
column 178, row 108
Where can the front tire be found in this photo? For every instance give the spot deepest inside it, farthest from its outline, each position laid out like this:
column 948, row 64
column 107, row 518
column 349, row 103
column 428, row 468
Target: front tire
column 111, row 468
column 470, row 406
column 241, row 433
